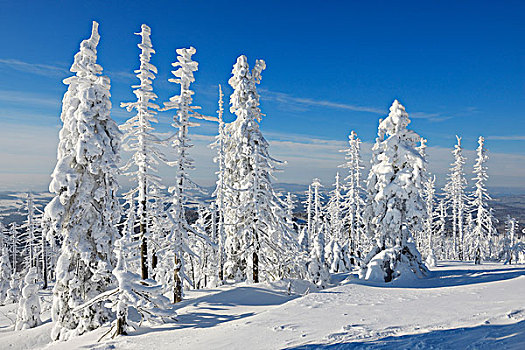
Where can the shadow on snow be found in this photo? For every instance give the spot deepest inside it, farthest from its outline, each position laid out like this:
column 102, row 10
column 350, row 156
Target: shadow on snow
column 452, row 277
column 511, row 336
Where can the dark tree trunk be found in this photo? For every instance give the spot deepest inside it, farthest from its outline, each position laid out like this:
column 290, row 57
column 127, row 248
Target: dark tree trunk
column 177, row 283
column 144, row 244
column 255, row 267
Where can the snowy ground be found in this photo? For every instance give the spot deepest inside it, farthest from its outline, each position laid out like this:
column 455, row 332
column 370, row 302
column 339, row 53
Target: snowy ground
column 461, row 306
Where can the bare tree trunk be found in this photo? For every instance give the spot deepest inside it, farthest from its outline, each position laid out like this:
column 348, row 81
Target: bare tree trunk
column 143, row 243
column 177, row 283
column 255, row 267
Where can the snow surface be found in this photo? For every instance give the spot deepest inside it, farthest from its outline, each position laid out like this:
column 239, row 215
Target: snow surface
column 460, row 306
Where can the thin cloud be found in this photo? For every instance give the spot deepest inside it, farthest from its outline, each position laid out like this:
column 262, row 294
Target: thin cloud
column 33, row 68
column 301, row 104
column 25, row 98
column 286, row 98
column 507, row 138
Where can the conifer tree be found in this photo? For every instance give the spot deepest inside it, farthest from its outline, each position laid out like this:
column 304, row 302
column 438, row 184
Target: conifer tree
column 484, row 221
column 353, row 199
column 394, row 204
column 28, row 315
column 139, row 139
column 253, row 213
column 456, row 199
column 428, row 223
column 221, row 187
column 13, row 293
column 85, row 209
column 5, row 274
column 181, row 144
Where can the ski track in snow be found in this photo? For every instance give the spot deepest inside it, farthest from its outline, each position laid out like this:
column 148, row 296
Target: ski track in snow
column 461, row 306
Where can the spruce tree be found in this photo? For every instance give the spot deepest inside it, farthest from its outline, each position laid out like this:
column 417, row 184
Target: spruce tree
column 139, row 139
column 85, row 209
column 456, row 199
column 394, row 205
column 484, row 220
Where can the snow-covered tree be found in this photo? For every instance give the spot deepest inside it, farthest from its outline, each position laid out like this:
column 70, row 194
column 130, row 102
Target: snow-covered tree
column 221, row 187
column 178, row 235
column 428, row 222
column 308, row 205
column 484, row 220
column 509, row 240
column 134, row 293
column 140, row 139
column 85, row 209
column 394, row 205
column 253, row 214
column 5, row 274
column 13, row 293
column 28, row 315
column 316, row 265
column 456, row 199
column 334, row 210
column 440, row 231
column 353, row 198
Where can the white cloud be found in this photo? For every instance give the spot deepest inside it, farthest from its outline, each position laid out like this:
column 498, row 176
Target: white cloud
column 33, row 68
column 506, row 138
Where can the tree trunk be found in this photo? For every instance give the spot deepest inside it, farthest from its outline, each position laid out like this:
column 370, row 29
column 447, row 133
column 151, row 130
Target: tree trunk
column 144, row 244
column 120, row 326
column 177, row 283
column 255, row 267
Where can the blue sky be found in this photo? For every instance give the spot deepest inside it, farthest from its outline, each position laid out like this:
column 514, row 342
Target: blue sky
column 457, row 66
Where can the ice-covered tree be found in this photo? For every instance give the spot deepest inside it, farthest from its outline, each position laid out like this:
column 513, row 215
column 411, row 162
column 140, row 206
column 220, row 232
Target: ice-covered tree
column 334, row 210
column 290, row 207
column 308, row 205
column 484, row 220
column 85, row 209
column 13, row 293
column 394, row 205
column 509, row 240
column 143, row 143
column 440, row 230
column 316, row 265
column 253, row 213
column 5, row 274
column 28, row 315
column 428, row 222
column 456, row 200
column 181, row 143
column 353, row 198
column 221, row 187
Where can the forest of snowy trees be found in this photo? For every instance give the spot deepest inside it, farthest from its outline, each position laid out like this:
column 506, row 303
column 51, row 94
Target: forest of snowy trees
column 107, row 255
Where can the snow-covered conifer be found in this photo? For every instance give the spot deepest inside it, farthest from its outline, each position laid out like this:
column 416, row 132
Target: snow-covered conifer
column 221, row 187
column 140, row 139
column 85, row 209
column 13, row 293
column 509, row 240
column 28, row 315
column 484, row 220
column 5, row 274
column 316, row 265
column 334, row 211
column 456, row 199
column 178, row 235
column 253, row 213
column 394, row 205
column 353, row 198
column 428, row 223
